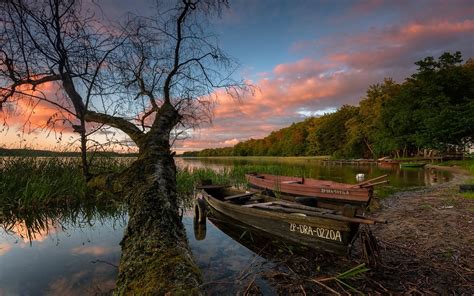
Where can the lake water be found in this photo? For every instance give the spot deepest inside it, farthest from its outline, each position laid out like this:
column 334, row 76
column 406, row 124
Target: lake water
column 79, row 256
column 313, row 168
column 76, row 252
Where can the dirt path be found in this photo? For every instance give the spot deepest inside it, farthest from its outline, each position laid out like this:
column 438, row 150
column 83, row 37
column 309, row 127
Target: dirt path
column 428, row 246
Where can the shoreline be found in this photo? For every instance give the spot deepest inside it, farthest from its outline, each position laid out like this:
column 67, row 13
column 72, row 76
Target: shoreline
column 429, row 237
column 425, row 249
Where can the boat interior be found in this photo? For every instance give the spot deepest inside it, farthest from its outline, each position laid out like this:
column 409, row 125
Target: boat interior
column 256, row 199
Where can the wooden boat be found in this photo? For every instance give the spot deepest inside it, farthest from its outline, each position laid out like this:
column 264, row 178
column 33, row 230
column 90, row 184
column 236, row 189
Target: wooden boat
column 412, row 164
column 262, row 243
column 321, row 193
column 317, row 228
column 387, row 162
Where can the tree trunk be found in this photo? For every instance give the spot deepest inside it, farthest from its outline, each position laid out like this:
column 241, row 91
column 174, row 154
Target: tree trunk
column 155, row 256
column 85, row 164
column 366, row 141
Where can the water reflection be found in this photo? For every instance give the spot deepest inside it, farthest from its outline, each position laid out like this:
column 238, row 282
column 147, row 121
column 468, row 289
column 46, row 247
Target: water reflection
column 60, row 251
column 266, row 246
column 233, row 254
column 226, row 265
column 76, row 252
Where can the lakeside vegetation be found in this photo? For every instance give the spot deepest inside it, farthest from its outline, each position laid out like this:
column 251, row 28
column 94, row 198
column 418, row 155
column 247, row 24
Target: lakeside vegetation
column 467, row 164
column 48, row 153
column 433, row 110
column 28, row 183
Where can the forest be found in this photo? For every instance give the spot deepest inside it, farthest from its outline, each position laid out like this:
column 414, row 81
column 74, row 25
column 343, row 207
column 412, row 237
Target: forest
column 432, row 111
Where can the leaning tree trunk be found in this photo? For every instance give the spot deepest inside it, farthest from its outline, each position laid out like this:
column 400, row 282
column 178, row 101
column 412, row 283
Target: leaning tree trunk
column 155, row 257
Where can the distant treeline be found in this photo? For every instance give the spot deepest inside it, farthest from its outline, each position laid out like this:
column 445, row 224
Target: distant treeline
column 48, row 153
column 433, row 110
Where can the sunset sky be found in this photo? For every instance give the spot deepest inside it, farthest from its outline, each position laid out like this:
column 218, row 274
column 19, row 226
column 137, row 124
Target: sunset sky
column 307, row 58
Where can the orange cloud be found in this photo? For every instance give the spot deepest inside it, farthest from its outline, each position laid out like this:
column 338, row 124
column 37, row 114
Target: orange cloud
column 32, row 113
column 342, row 76
column 398, row 46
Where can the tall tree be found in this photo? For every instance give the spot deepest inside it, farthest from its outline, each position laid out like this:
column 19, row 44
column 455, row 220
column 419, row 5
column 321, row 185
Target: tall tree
column 162, row 75
column 364, row 127
column 332, row 132
column 433, row 109
column 52, row 42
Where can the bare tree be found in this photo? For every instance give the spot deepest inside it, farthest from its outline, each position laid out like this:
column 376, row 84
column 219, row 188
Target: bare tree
column 157, row 80
column 52, row 42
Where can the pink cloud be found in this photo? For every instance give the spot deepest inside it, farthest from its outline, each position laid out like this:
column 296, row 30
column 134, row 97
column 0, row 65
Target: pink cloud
column 92, row 250
column 387, row 47
column 21, row 230
column 26, row 110
column 341, row 76
column 4, row 248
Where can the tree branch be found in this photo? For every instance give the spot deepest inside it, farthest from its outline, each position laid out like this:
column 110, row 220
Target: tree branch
column 118, row 122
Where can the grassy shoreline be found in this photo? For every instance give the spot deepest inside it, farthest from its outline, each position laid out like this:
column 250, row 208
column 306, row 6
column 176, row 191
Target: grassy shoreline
column 32, row 183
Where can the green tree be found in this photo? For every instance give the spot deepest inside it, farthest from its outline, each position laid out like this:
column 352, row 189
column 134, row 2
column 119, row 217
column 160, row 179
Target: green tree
column 433, row 109
column 363, row 129
column 332, row 133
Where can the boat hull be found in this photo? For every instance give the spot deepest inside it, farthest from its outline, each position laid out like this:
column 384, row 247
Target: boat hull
column 326, row 193
column 315, row 232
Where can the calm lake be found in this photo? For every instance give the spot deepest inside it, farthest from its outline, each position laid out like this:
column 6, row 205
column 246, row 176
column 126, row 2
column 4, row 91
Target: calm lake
column 76, row 251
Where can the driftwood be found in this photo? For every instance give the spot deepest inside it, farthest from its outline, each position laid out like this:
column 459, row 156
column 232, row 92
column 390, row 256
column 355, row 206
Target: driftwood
column 376, row 220
column 257, row 204
column 308, row 208
column 303, row 207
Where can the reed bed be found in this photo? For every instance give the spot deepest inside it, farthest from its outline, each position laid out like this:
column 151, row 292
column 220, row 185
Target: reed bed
column 188, row 179
column 32, row 182
column 29, row 182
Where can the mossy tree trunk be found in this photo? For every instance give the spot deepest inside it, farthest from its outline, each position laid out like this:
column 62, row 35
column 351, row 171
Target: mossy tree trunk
column 155, row 255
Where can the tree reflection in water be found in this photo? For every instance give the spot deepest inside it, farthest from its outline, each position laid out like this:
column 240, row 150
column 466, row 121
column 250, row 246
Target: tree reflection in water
column 61, row 251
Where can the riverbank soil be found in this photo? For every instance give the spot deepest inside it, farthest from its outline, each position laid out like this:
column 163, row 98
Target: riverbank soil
column 428, row 246
column 426, row 249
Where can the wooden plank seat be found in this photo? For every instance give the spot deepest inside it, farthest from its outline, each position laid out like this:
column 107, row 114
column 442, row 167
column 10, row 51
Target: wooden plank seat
column 274, row 206
column 291, row 182
column 211, row 186
column 239, row 197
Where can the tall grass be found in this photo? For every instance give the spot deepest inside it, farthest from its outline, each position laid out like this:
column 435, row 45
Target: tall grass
column 188, row 179
column 29, row 182
column 32, row 182
column 467, row 164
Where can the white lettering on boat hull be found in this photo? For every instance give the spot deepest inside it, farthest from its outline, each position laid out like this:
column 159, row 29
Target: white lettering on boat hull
column 320, row 232
column 335, row 191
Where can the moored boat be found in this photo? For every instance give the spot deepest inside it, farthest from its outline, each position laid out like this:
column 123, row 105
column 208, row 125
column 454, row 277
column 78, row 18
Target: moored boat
column 387, row 162
column 317, row 228
column 321, row 193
